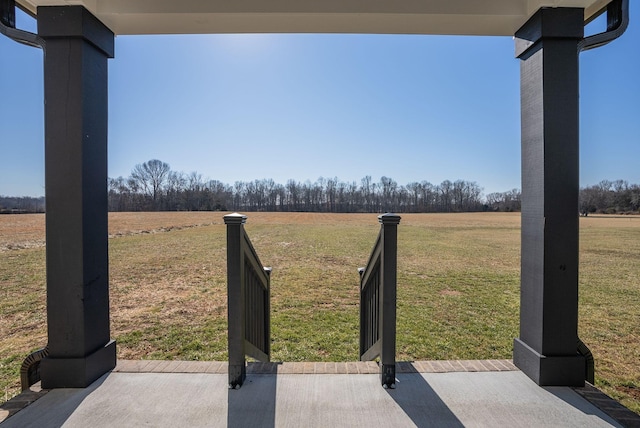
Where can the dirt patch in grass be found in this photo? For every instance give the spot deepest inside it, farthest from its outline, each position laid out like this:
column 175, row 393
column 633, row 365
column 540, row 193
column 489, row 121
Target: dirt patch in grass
column 450, row 293
column 20, row 231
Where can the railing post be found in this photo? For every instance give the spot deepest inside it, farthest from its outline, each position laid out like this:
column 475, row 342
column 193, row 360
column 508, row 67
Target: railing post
column 388, row 274
column 267, row 329
column 235, row 298
column 363, row 309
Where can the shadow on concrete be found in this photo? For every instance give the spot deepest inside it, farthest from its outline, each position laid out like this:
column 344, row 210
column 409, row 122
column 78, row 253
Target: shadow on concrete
column 55, row 410
column 254, row 404
column 419, row 401
column 580, row 403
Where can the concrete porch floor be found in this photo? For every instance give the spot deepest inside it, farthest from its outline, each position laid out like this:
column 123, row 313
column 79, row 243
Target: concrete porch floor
column 487, row 393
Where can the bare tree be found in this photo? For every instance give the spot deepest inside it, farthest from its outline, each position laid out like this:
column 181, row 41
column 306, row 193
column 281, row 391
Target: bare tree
column 389, row 188
column 446, row 194
column 150, row 177
column 293, row 189
column 174, row 191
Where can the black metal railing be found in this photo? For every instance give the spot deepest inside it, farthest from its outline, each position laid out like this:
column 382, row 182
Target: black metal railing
column 378, row 301
column 248, row 290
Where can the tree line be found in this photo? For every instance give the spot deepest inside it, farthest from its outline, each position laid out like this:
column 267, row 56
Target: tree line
column 153, row 186
column 610, row 197
column 21, row 205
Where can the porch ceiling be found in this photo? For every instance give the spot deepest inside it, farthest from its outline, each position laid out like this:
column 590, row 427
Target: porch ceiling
column 463, row 17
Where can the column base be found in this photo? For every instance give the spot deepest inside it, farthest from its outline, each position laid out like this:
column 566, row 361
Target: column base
column 77, row 372
column 565, row 370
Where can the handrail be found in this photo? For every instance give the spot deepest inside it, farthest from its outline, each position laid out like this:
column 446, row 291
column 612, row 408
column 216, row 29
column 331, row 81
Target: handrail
column 248, row 298
column 378, row 286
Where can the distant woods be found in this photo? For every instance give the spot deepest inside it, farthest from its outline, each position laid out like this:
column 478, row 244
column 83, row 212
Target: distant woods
column 610, row 197
column 153, row 186
column 21, row 205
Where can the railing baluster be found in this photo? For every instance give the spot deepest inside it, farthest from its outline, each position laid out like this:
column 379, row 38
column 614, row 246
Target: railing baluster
column 378, row 291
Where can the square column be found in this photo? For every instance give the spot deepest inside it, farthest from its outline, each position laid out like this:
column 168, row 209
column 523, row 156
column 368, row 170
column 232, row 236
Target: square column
column 75, row 90
column 547, row 46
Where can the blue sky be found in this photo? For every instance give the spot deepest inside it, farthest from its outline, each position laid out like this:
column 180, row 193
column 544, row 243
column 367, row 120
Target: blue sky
column 245, row 107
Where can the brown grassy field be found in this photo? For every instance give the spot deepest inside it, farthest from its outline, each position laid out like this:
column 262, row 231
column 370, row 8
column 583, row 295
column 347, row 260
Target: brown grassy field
column 458, row 288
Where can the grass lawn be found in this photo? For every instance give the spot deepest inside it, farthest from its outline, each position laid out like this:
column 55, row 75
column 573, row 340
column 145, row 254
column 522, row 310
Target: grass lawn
column 458, row 288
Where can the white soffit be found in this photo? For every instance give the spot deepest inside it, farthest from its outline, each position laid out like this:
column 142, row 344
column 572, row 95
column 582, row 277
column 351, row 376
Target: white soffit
column 463, row 17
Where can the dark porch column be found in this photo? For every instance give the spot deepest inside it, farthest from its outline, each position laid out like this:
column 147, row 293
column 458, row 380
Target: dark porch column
column 75, row 90
column 548, row 47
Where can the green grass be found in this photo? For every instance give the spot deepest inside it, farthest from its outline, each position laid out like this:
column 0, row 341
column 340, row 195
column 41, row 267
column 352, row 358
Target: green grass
column 610, row 307
column 458, row 292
